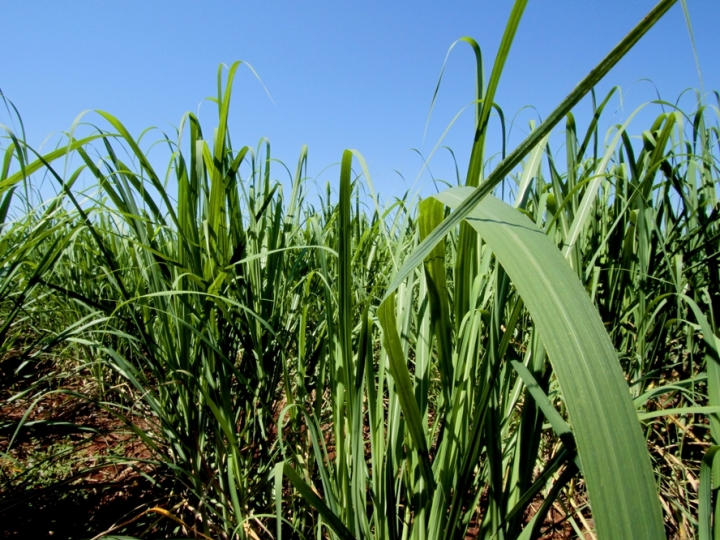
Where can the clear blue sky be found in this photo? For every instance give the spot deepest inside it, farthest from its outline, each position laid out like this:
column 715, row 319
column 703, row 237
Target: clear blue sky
column 342, row 74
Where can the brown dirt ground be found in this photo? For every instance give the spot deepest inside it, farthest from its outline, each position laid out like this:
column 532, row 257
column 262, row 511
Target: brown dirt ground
column 97, row 483
column 88, row 493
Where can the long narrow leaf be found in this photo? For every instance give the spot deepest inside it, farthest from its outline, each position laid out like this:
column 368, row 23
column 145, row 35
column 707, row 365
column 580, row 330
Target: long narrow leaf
column 616, row 464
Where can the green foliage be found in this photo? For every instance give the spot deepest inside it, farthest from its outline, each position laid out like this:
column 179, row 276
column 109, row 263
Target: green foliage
column 313, row 368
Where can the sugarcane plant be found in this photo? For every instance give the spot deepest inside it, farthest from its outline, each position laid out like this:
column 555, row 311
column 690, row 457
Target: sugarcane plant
column 338, row 366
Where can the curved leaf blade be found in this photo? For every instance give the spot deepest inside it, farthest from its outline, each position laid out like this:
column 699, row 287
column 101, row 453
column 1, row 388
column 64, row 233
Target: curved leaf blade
column 615, row 461
column 506, row 166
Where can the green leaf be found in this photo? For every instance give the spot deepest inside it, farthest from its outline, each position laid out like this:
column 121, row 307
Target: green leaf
column 508, row 164
column 403, row 385
column 705, row 495
column 559, row 425
column 316, row 502
column 679, row 410
column 615, row 461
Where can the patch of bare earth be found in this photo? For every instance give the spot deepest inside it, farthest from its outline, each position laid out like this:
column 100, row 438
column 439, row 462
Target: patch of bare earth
column 74, row 470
